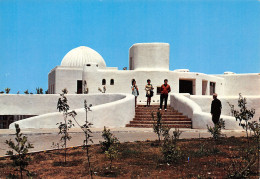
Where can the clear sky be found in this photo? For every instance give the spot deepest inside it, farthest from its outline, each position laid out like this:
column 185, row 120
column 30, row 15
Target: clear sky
column 207, row 36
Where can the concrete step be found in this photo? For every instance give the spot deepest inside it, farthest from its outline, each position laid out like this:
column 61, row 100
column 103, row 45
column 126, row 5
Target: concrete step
column 163, row 117
column 166, row 119
column 170, row 118
column 163, row 122
column 155, row 112
column 151, row 126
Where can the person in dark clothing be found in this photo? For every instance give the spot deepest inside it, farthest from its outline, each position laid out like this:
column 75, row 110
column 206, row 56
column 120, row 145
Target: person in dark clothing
column 165, row 89
column 215, row 109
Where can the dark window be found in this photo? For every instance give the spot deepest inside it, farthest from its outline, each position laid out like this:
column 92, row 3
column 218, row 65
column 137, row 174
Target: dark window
column 112, row 82
column 79, row 86
column 104, row 82
column 88, row 65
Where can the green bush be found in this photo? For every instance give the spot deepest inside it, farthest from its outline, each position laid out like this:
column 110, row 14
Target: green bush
column 216, row 130
column 21, row 148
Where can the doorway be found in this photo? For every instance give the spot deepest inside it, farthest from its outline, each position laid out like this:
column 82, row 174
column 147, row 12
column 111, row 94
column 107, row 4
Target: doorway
column 186, row 86
column 79, row 86
column 204, row 87
column 212, row 88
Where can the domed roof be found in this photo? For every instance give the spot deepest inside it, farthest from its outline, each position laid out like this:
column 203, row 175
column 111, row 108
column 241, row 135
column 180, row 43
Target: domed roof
column 80, row 56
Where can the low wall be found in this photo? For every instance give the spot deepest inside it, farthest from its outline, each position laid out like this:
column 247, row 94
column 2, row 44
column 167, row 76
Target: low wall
column 111, row 114
column 205, row 103
column 200, row 119
column 37, row 104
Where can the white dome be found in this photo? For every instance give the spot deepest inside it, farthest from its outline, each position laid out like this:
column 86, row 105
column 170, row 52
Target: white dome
column 80, row 56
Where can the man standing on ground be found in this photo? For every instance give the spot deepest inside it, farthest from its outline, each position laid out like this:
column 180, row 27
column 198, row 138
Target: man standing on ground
column 165, row 89
column 215, row 109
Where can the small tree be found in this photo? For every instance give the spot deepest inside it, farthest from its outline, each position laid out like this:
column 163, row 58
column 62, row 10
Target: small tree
column 243, row 115
column 176, row 134
column 216, row 130
column 112, row 153
column 110, row 145
column 88, row 135
column 109, row 138
column 7, row 90
column 171, row 152
column 39, row 90
column 64, row 127
column 26, row 92
column 255, row 127
column 20, row 160
column 158, row 127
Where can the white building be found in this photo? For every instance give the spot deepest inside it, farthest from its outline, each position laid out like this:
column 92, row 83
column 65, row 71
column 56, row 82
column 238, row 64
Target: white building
column 83, row 70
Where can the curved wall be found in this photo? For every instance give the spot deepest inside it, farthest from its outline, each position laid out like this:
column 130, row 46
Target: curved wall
column 37, row 104
column 114, row 113
column 200, row 119
column 205, row 103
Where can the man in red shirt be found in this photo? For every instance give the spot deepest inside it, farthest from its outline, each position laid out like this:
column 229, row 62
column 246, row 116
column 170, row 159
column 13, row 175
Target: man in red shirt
column 165, row 89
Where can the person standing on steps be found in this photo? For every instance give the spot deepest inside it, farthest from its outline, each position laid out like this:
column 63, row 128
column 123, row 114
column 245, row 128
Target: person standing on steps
column 216, row 107
column 165, row 90
column 135, row 91
column 149, row 92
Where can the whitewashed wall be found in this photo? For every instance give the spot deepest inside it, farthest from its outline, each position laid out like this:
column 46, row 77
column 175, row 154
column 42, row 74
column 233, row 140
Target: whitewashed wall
column 149, row 56
column 205, row 103
column 200, row 119
column 247, row 84
column 116, row 112
column 65, row 77
column 122, row 81
column 33, row 104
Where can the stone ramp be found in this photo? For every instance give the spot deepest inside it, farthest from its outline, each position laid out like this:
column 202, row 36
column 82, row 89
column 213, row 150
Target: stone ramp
column 171, row 117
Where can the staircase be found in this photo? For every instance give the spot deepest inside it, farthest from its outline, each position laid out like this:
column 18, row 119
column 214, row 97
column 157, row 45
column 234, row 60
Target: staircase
column 171, row 117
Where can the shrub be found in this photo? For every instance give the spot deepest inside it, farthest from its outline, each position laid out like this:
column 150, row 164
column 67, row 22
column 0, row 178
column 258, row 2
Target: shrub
column 171, row 152
column 216, row 130
column 64, row 91
column 110, row 145
column 39, row 91
column 20, row 160
column 109, row 138
column 243, row 115
column 104, row 89
column 7, row 90
column 251, row 157
column 158, row 127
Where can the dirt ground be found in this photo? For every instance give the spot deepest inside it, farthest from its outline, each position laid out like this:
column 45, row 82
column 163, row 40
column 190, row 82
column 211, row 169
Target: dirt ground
column 199, row 158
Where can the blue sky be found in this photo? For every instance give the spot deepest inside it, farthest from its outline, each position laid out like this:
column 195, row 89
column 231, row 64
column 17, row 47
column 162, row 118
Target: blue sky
column 210, row 36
